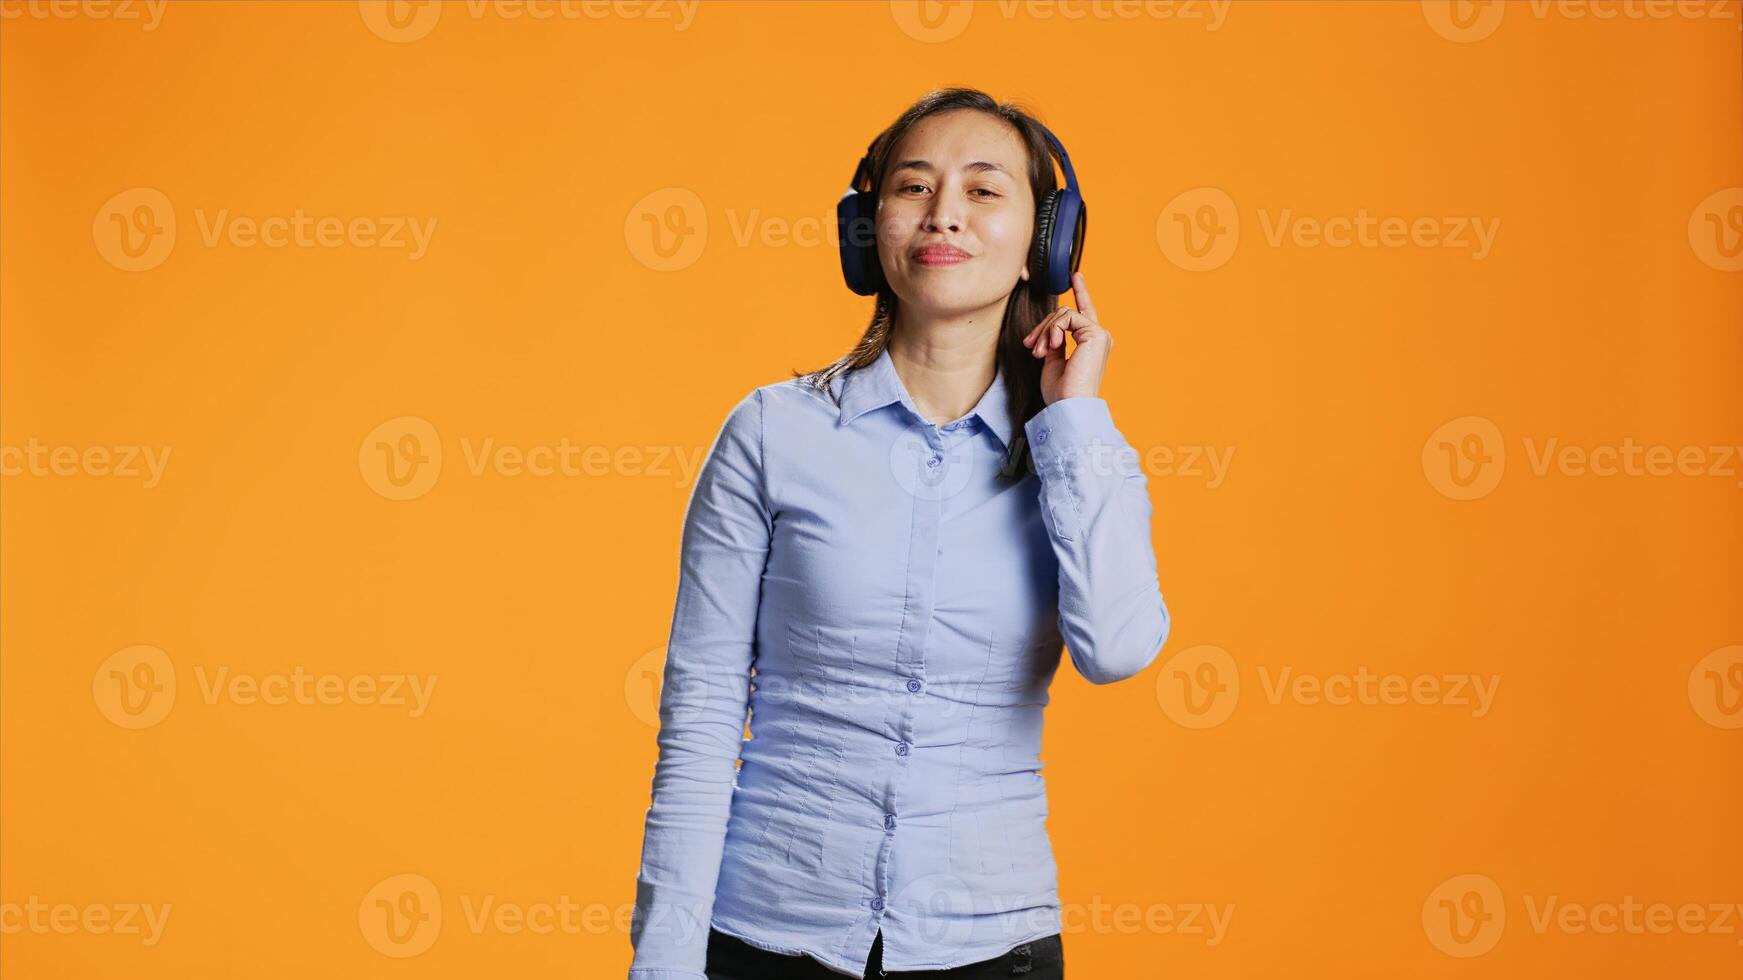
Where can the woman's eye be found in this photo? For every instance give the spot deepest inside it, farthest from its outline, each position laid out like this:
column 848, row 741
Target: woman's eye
column 978, row 190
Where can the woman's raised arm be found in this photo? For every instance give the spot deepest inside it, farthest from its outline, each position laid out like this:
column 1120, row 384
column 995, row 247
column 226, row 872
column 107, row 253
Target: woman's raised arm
column 1096, row 507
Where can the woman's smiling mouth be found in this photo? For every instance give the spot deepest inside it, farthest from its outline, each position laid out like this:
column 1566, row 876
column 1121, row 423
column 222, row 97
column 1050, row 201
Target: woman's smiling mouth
column 940, row 255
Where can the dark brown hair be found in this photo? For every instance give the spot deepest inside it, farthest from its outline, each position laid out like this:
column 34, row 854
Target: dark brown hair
column 1029, row 301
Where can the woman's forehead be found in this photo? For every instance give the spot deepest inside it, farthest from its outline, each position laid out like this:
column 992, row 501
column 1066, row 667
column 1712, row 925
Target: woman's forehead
column 961, row 139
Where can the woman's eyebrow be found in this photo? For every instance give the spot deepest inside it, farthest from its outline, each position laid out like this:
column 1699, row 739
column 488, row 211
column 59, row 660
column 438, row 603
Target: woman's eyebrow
column 978, row 166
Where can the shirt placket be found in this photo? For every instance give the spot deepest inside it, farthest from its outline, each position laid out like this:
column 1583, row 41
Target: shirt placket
column 916, row 627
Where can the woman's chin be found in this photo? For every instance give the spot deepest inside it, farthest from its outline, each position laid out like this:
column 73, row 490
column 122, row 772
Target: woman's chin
column 931, row 295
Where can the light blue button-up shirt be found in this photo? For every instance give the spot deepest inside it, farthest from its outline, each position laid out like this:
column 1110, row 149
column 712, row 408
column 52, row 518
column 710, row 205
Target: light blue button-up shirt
column 903, row 608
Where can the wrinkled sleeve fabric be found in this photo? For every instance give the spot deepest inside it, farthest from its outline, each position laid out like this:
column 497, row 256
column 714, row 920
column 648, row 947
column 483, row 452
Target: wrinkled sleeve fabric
column 1096, row 508
column 703, row 701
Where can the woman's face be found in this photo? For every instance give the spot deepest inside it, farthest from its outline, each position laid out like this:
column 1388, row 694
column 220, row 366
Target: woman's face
column 956, row 214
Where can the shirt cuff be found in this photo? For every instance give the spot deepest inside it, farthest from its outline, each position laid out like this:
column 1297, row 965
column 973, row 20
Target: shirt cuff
column 1081, row 423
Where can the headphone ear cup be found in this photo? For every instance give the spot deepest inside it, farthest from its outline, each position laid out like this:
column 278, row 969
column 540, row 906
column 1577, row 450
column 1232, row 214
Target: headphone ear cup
column 856, row 227
column 1039, row 256
column 868, row 217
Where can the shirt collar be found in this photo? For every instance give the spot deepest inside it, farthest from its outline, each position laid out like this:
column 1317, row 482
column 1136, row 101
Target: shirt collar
column 877, row 384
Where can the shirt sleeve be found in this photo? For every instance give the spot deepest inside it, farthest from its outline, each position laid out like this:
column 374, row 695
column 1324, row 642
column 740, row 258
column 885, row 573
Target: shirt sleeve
column 703, row 702
column 1096, row 508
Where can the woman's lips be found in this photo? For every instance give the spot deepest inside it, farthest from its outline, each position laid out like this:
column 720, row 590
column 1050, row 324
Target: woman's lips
column 936, row 255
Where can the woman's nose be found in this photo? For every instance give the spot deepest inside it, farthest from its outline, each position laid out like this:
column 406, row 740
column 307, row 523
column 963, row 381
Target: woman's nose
column 936, row 221
column 943, row 214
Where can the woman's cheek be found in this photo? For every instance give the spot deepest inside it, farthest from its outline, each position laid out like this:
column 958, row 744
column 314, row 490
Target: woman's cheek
column 894, row 229
column 1012, row 236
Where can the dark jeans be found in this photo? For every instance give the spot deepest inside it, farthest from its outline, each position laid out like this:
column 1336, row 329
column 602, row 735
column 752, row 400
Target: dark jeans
column 731, row 958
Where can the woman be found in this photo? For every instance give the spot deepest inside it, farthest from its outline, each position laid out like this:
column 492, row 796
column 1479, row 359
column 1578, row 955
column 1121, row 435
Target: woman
column 898, row 544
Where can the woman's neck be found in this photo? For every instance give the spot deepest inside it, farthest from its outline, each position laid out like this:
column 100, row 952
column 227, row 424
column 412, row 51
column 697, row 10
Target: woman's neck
column 946, row 367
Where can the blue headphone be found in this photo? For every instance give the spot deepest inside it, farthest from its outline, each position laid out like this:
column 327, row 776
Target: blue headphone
column 1052, row 262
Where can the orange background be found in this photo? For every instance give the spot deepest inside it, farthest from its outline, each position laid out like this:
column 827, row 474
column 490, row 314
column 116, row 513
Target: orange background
column 540, row 312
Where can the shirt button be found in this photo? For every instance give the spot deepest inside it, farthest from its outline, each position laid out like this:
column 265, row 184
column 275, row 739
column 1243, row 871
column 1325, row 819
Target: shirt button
column 877, row 905
column 932, row 460
column 1040, row 437
column 889, row 821
column 914, row 685
column 901, row 748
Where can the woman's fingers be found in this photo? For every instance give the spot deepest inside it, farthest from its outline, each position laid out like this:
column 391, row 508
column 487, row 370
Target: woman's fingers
column 1047, row 350
column 1052, row 315
column 1074, row 322
column 1069, row 323
column 1080, row 292
column 1043, row 331
column 1054, row 326
column 1048, row 334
